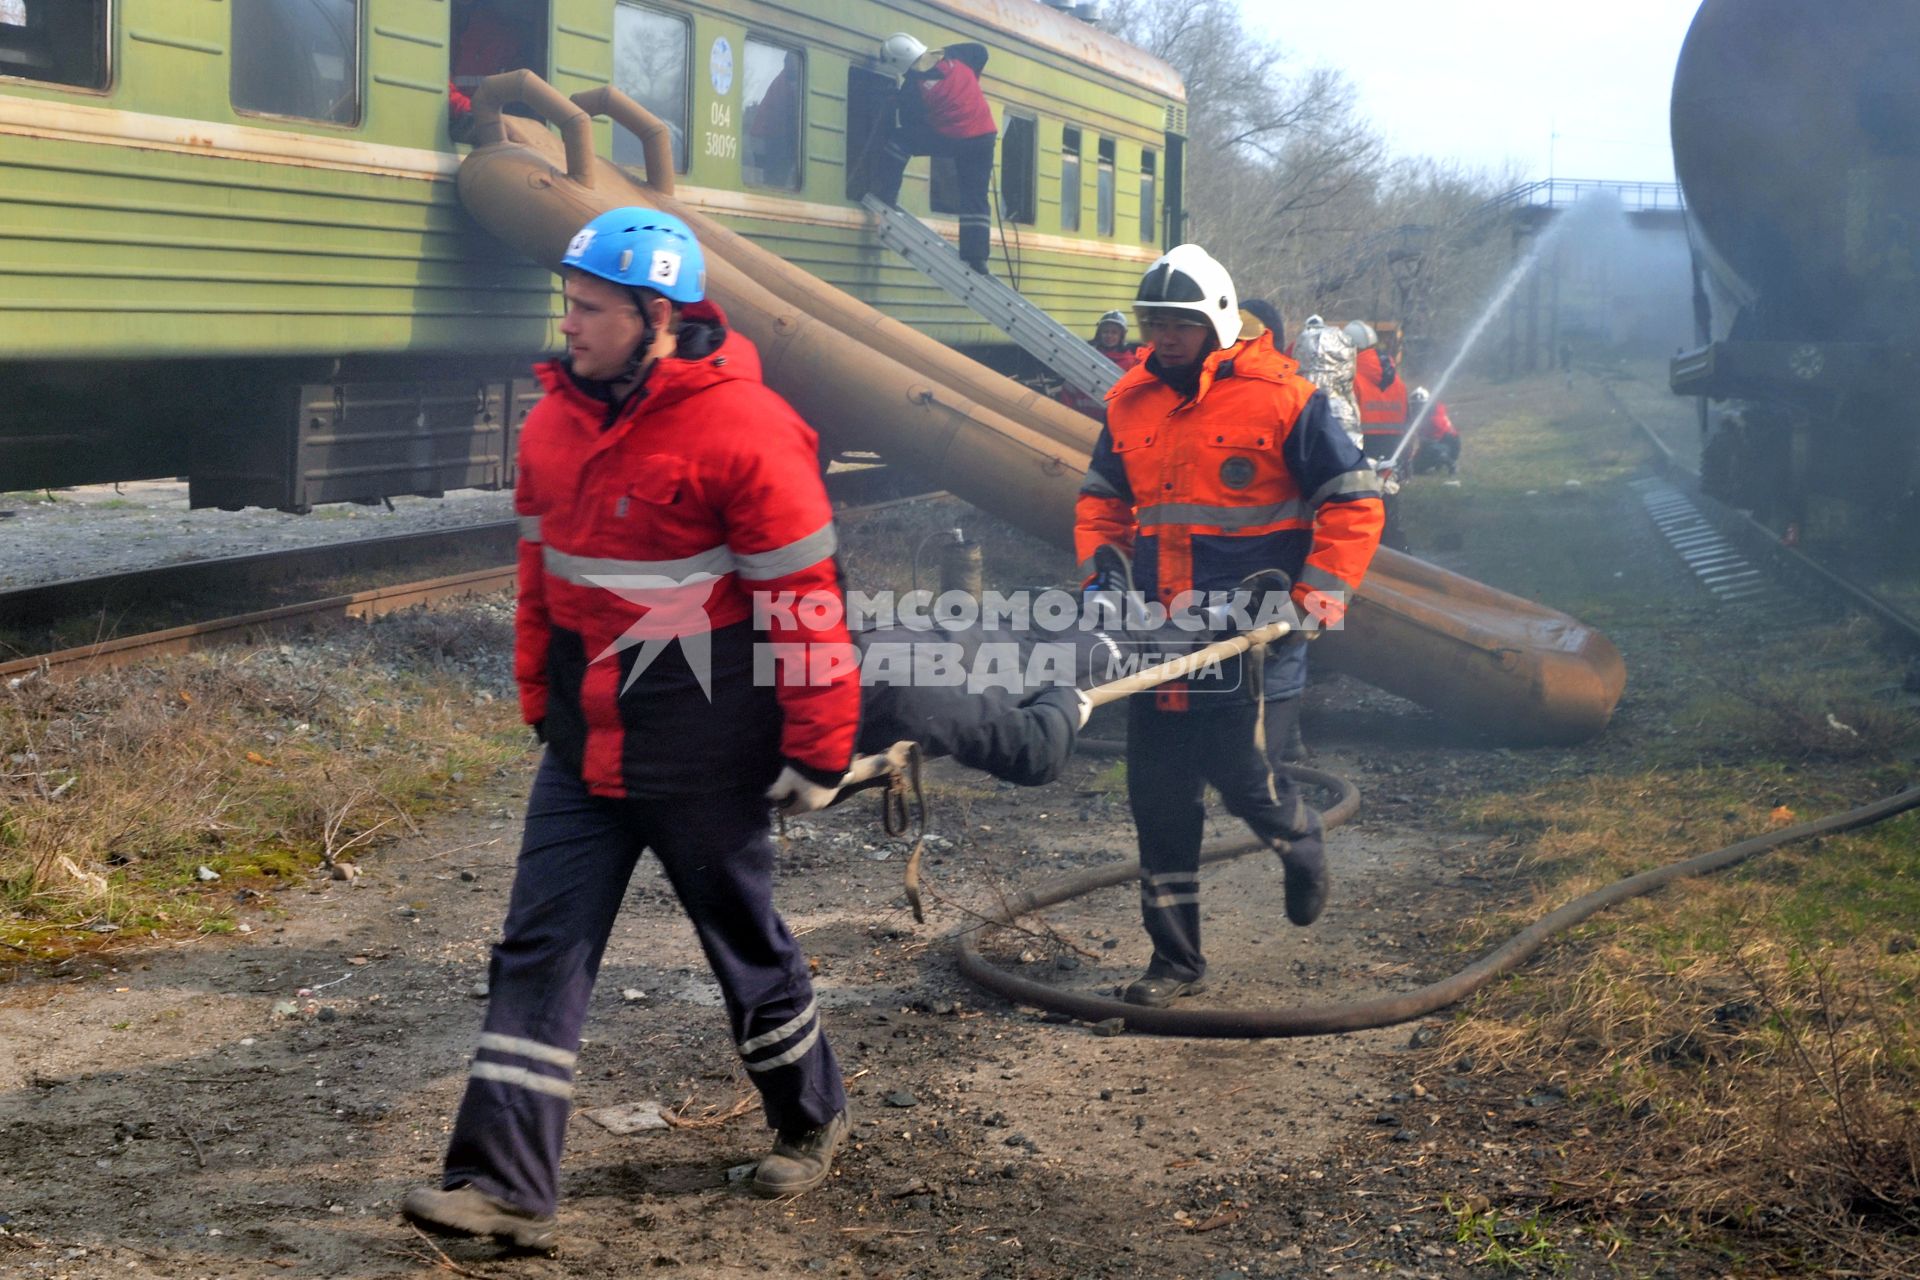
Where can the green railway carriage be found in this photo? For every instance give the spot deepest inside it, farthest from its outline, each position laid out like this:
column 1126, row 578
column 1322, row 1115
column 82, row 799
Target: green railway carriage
column 231, row 246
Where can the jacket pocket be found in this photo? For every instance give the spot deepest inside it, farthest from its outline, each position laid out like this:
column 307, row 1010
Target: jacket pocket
column 657, row 478
column 1231, row 435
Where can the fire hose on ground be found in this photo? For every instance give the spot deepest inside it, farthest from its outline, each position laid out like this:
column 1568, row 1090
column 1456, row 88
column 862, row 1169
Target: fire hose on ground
column 1306, row 1020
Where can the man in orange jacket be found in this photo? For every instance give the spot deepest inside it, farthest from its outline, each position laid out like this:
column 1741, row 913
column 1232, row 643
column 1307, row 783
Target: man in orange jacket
column 1219, row 461
column 661, row 487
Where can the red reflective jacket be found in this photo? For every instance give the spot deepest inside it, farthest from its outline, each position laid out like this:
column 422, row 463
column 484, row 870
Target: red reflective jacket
column 645, row 530
column 956, row 107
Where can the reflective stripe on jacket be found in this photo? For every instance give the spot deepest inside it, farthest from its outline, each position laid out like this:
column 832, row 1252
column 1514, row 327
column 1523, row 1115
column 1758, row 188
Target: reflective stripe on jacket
column 646, row 528
column 1382, row 392
column 1252, row 473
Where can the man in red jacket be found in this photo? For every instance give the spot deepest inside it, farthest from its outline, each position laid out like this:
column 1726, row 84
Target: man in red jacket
column 661, row 485
column 943, row 112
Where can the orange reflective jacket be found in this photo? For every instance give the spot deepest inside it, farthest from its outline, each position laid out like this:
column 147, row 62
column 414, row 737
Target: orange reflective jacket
column 1382, row 394
column 1252, row 473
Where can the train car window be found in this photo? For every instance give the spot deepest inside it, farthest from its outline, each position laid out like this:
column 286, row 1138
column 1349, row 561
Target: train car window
column 1103, row 193
column 773, row 94
column 652, row 57
column 870, row 114
column 1069, row 179
column 491, row 36
column 1019, row 188
column 1149, row 196
column 61, row 42
column 297, row 58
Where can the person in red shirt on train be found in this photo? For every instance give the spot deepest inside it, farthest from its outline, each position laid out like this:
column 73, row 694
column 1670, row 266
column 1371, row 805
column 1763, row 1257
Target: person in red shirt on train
column 662, row 488
column 944, row 112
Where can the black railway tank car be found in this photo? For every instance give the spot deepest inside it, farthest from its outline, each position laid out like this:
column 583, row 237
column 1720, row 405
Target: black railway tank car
column 1796, row 139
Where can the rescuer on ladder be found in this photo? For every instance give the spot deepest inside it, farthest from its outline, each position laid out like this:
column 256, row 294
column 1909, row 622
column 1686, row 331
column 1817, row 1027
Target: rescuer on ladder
column 943, row 112
column 1218, row 460
column 660, row 483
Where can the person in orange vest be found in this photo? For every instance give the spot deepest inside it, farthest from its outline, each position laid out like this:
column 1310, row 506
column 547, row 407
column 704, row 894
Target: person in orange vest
column 1218, row 462
column 944, row 112
column 1110, row 340
column 1382, row 394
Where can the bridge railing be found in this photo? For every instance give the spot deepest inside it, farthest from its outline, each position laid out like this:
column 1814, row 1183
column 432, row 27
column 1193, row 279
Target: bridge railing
column 1563, row 193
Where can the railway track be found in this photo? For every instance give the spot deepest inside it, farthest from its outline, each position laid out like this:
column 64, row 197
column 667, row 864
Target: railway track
column 132, row 594
column 1743, row 541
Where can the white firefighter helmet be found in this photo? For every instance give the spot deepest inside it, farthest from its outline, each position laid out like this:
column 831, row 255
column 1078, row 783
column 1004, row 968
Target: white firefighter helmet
column 1116, row 317
column 1186, row 278
column 1419, row 395
column 1361, row 335
column 898, row 53
column 1313, row 322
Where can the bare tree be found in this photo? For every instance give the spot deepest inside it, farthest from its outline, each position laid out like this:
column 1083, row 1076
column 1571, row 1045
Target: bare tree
column 1289, row 185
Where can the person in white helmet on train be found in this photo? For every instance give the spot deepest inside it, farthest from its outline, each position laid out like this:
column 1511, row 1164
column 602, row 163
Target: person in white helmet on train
column 942, row 112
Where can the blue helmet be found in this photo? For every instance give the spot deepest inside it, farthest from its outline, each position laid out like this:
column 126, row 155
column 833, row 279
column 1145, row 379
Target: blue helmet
column 641, row 249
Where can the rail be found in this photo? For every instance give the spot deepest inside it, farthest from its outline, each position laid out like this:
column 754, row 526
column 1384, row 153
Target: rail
column 1564, row 193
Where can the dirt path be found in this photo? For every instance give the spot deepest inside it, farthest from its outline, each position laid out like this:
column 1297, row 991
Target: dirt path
column 189, row 1112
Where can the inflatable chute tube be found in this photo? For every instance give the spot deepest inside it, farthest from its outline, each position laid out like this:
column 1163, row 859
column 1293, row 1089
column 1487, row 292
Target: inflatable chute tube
column 1522, row 673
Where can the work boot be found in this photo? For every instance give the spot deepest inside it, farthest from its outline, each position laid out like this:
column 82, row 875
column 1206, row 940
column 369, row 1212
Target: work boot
column 1293, row 747
column 468, row 1211
column 1305, row 861
column 800, row 1161
column 1157, row 992
column 980, row 266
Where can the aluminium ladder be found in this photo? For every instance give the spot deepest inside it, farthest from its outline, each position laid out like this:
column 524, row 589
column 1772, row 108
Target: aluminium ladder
column 1049, row 341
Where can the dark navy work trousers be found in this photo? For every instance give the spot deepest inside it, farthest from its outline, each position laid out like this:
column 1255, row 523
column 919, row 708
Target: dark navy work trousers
column 1172, row 756
column 973, row 161
column 577, row 854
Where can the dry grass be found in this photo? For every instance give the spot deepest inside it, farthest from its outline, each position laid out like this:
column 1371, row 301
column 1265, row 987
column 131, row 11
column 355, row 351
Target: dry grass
column 259, row 765
column 1743, row 1050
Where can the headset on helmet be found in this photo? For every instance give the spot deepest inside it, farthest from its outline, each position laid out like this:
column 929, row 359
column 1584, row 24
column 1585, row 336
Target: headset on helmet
column 1186, row 278
column 898, row 53
column 641, row 249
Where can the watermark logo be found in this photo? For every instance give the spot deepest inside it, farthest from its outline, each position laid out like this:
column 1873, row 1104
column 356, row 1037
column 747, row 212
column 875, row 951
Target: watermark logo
column 675, row 610
column 1017, row 641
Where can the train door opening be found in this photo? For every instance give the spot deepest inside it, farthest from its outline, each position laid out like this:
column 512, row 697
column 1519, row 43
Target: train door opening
column 63, row 42
column 1176, row 214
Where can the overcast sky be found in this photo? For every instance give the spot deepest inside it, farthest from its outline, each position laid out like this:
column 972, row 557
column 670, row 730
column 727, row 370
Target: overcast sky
column 1490, row 82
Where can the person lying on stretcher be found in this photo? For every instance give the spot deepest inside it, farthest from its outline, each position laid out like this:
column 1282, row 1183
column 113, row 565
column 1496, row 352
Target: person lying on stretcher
column 1011, row 702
